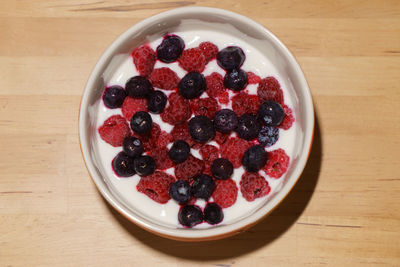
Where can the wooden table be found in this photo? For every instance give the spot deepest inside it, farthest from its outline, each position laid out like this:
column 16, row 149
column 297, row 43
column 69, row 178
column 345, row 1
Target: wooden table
column 345, row 210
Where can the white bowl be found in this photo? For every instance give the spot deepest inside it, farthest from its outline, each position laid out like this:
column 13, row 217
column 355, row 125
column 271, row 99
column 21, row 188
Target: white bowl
column 243, row 27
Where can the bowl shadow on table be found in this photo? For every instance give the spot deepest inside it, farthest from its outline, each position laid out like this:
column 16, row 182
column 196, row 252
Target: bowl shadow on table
column 258, row 236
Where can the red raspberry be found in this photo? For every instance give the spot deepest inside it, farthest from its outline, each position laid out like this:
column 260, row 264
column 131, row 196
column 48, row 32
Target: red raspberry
column 223, row 98
column 149, row 140
column 164, row 78
column 160, row 156
column 233, row 150
column 209, row 49
column 220, row 138
column 132, row 105
column 225, row 193
column 178, row 110
column 288, row 119
column 253, row 186
column 156, row 186
column 192, row 60
column 215, row 85
column 163, row 139
column 207, row 168
column 205, row 106
column 209, row 152
column 189, row 168
column 252, row 78
column 270, row 89
column 277, row 164
column 144, row 59
column 114, row 130
column 181, row 132
column 244, row 103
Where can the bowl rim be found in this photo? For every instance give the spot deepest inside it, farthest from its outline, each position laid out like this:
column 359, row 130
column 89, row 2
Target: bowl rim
column 213, row 232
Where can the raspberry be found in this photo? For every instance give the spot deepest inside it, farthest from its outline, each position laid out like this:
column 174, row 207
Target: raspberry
column 233, row 150
column 252, row 78
column 163, row 139
column 205, row 107
column 209, row 49
column 223, row 98
column 149, row 140
column 160, row 156
column 270, row 89
column 189, row 168
column 253, row 186
column 133, row 105
column 114, row 130
column 225, row 193
column 181, row 132
column 215, row 84
column 209, row 152
column 178, row 110
column 144, row 59
column 288, row 119
column 156, row 186
column 244, row 103
column 277, row 163
column 164, row 78
column 192, row 60
column 220, row 138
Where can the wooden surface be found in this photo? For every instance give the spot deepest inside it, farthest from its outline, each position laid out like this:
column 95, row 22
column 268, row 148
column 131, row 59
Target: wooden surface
column 345, row 210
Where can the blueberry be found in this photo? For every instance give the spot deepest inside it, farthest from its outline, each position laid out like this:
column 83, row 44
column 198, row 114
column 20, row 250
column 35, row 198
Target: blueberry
column 114, row 96
column 225, row 120
column 156, row 101
column 231, row 57
column 123, row 165
column 221, row 169
column 170, row 49
column 213, row 213
column 179, row 151
column 141, row 122
column 132, row 146
column 144, row 165
column 235, row 80
column 180, row 191
column 248, row 127
column 203, row 186
column 192, row 85
column 138, row 87
column 201, row 129
column 268, row 136
column 271, row 113
column 190, row 215
column 254, row 158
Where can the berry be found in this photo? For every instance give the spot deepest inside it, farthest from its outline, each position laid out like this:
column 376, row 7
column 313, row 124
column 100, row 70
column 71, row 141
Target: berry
column 225, row 193
column 132, row 146
column 223, row 98
column 164, row 78
column 205, row 107
column 138, row 87
column 181, row 132
column 253, row 186
column 133, row 105
column 144, row 59
column 254, row 158
column 203, row 186
column 244, row 103
column 192, row 85
column 235, row 80
column 192, row 59
column 221, row 169
column 149, row 139
column 141, row 122
column 270, row 89
column 190, row 215
column 248, row 127
column 288, row 119
column 163, row 139
column 144, row 165
column 123, row 165
column 178, row 110
column 231, row 57
column 277, row 164
column 268, row 136
column 160, row 156
column 252, row 78
column 209, row 49
column 156, row 186
column 215, row 84
column 189, row 168
column 114, row 96
column 271, row 113
column 201, row 129
column 220, row 138
column 180, row 191
column 114, row 130
column 233, row 150
column 225, row 121
column 213, row 213
column 179, row 151
column 209, row 152
column 157, row 101
column 170, row 48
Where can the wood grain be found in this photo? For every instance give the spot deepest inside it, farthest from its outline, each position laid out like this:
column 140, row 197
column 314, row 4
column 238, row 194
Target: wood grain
column 344, row 211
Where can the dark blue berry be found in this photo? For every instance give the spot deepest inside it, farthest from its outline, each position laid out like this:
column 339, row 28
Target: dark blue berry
column 156, row 101
column 114, row 96
column 144, row 165
column 201, row 129
column 123, row 165
column 179, row 151
column 132, row 146
column 170, row 49
column 271, row 113
column 203, row 186
column 138, row 87
column 213, row 213
column 192, row 85
column 268, row 136
column 141, row 122
column 180, row 191
column 221, row 168
column 254, row 158
column 235, row 80
column 190, row 215
column 248, row 127
column 231, row 57
column 225, row 120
